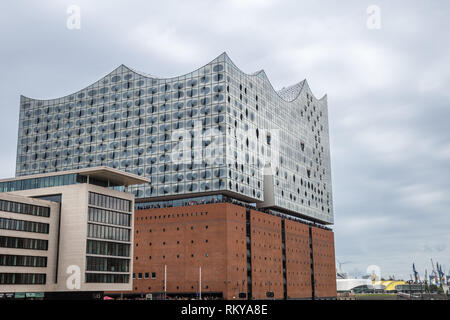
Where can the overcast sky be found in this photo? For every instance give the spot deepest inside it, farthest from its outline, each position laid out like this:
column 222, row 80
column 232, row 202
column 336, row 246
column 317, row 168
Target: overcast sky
column 388, row 93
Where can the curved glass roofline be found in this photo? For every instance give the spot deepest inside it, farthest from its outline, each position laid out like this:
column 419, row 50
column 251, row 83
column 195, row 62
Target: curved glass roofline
column 297, row 88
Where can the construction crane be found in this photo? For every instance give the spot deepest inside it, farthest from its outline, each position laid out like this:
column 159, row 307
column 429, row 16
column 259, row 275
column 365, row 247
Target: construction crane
column 441, row 273
column 416, row 274
column 434, row 274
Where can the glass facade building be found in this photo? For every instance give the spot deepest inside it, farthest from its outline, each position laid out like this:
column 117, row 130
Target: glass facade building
column 216, row 130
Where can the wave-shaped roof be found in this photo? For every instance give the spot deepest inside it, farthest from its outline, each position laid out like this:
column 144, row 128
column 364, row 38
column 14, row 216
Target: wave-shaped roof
column 288, row 94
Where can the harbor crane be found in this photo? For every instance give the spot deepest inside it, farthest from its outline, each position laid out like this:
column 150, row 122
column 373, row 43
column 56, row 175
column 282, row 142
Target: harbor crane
column 441, row 273
column 416, row 274
column 434, row 274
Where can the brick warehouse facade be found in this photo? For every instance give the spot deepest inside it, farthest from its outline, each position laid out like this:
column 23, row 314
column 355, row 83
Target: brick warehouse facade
column 239, row 249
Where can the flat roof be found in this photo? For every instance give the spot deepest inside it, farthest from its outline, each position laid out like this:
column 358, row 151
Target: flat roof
column 114, row 176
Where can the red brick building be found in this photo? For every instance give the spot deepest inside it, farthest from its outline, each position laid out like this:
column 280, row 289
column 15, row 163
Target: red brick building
column 239, row 250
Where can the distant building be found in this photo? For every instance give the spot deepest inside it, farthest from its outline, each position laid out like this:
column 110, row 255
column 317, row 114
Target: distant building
column 66, row 232
column 395, row 286
column 354, row 285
